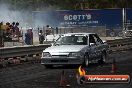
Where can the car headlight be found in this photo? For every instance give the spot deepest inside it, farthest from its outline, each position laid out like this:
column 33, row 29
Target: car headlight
column 46, row 54
column 75, row 54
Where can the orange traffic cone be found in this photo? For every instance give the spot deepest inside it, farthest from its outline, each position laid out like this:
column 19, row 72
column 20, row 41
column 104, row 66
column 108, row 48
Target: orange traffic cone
column 113, row 69
column 16, row 60
column 63, row 81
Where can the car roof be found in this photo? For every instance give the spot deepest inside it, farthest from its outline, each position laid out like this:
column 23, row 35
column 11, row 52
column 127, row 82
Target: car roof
column 77, row 34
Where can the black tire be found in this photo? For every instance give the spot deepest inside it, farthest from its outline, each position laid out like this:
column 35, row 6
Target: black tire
column 48, row 66
column 103, row 58
column 86, row 61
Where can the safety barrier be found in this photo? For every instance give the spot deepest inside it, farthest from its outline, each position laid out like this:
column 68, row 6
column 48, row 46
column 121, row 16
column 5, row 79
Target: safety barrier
column 22, row 50
column 9, row 55
column 120, row 44
column 33, row 52
column 7, row 52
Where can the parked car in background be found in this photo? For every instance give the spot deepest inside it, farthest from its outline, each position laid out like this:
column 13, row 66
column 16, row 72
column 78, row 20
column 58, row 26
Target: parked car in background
column 128, row 31
column 114, row 32
column 75, row 48
column 52, row 37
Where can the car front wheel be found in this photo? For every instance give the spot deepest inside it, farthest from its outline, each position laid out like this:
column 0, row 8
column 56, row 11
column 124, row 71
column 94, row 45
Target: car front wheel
column 103, row 59
column 48, row 66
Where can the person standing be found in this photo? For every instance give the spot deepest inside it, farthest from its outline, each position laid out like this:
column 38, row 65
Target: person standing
column 27, row 38
column 41, row 38
column 17, row 33
column 31, row 35
column 1, row 35
column 8, row 32
column 12, row 26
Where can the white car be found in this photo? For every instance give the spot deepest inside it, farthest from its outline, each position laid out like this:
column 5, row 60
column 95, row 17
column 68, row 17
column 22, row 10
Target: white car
column 75, row 48
column 128, row 31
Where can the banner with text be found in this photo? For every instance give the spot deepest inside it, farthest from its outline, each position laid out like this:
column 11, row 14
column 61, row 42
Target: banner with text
column 83, row 18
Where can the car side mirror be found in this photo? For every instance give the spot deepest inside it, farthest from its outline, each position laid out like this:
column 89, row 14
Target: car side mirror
column 92, row 44
column 104, row 41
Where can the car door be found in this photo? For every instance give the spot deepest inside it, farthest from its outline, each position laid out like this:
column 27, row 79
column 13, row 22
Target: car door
column 99, row 44
column 93, row 48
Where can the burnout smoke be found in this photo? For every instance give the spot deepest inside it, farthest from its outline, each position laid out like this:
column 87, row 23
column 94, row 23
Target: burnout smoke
column 24, row 17
column 9, row 15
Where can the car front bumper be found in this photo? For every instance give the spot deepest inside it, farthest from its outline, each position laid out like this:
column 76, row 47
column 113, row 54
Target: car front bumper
column 61, row 60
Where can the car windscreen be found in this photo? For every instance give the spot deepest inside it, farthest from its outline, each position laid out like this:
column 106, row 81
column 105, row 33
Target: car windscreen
column 72, row 40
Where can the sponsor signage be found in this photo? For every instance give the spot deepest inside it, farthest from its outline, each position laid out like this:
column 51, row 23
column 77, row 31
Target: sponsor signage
column 82, row 18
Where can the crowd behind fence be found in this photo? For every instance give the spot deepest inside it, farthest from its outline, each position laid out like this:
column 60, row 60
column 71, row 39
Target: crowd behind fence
column 9, row 32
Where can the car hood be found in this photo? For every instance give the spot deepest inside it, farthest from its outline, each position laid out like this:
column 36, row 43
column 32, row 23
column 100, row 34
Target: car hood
column 65, row 48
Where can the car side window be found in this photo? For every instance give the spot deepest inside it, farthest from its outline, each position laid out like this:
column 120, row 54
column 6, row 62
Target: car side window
column 91, row 39
column 97, row 39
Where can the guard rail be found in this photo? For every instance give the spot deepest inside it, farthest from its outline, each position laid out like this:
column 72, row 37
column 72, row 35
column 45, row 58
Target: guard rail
column 120, row 44
column 6, row 52
column 30, row 50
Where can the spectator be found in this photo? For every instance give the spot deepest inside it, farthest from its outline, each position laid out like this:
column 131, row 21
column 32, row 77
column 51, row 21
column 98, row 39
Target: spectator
column 27, row 38
column 16, row 29
column 31, row 35
column 12, row 26
column 8, row 32
column 1, row 34
column 41, row 38
column 7, row 27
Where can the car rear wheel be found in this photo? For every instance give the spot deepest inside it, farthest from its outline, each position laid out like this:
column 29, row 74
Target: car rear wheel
column 48, row 66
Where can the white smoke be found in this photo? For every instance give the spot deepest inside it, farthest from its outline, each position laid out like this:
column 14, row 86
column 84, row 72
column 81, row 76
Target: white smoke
column 24, row 18
column 8, row 15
